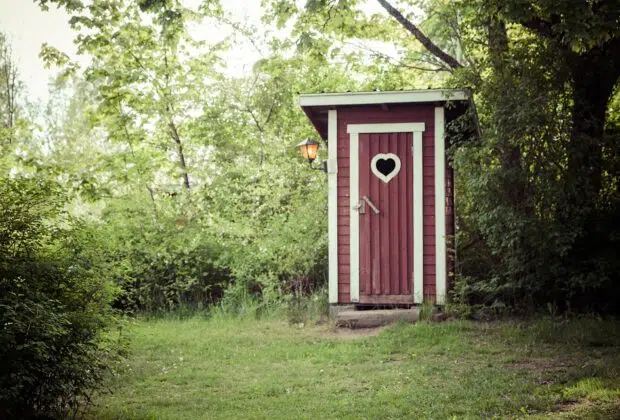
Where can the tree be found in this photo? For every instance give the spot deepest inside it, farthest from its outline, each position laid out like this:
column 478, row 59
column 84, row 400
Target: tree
column 9, row 90
column 541, row 186
column 148, row 81
column 267, row 207
column 54, row 290
column 240, row 227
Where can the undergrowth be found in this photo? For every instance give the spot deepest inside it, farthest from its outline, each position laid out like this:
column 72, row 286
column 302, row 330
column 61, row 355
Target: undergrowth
column 294, row 308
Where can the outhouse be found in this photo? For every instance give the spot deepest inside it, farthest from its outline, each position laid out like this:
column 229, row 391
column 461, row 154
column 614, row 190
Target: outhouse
column 390, row 193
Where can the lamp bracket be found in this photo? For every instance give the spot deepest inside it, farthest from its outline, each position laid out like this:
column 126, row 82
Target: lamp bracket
column 322, row 166
column 331, row 166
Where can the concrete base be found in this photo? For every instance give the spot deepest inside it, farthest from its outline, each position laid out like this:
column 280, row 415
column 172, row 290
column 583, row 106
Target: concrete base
column 334, row 310
column 374, row 318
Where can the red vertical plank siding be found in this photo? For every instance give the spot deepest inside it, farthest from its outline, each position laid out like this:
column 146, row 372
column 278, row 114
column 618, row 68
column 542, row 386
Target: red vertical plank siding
column 395, row 222
column 382, row 140
column 393, row 266
column 429, row 210
column 374, row 223
column 403, row 235
column 343, row 219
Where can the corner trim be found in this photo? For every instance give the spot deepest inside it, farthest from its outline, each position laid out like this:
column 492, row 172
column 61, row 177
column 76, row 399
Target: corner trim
column 440, row 207
column 332, row 204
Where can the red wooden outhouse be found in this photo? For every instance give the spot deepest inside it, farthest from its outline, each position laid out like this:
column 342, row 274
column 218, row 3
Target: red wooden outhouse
column 390, row 193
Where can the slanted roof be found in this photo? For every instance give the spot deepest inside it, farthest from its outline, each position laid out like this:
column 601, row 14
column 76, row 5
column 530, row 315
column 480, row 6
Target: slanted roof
column 316, row 105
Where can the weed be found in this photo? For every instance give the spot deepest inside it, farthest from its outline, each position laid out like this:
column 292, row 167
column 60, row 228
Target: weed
column 427, row 309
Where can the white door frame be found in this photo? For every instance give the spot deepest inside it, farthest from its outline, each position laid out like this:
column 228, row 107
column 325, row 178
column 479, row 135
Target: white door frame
column 417, row 129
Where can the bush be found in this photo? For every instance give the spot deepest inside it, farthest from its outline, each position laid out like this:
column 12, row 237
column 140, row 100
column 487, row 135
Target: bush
column 273, row 230
column 161, row 261
column 54, row 305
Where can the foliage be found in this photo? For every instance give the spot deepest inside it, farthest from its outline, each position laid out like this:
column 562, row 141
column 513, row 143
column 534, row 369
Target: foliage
column 154, row 180
column 537, row 192
column 254, row 223
column 537, row 199
column 536, row 226
column 273, row 228
column 161, row 261
column 191, row 176
column 10, row 90
column 54, row 300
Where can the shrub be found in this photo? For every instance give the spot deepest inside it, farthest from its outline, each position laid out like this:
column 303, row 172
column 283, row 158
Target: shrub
column 163, row 260
column 53, row 305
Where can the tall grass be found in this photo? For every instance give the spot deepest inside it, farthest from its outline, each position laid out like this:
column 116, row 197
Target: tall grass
column 585, row 330
column 295, row 309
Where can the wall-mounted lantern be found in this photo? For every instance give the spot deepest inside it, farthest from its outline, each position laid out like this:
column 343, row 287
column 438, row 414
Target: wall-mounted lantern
column 309, row 149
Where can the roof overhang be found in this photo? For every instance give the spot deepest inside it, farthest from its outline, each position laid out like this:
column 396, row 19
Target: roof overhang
column 316, row 105
column 370, row 98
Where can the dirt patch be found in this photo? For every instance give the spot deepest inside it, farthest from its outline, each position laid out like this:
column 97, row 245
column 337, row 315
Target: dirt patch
column 539, row 365
column 572, row 405
column 545, row 371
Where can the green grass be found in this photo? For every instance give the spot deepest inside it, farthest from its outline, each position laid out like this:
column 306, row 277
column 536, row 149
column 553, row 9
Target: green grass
column 247, row 368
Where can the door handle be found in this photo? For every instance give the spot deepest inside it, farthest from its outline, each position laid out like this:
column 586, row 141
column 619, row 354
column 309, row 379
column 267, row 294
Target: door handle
column 370, row 204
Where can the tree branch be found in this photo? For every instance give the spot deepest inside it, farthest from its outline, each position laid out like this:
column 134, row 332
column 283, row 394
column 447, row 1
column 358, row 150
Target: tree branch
column 539, row 26
column 396, row 62
column 419, row 35
column 174, row 132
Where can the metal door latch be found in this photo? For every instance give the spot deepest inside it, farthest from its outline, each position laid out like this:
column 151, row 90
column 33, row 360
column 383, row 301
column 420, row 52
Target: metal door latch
column 370, row 204
column 361, row 206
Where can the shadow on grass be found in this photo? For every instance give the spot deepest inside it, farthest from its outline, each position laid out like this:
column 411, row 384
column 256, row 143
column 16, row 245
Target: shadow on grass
column 574, row 361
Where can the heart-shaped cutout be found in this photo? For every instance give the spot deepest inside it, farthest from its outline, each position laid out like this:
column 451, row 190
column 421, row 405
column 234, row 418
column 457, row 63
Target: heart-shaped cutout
column 385, row 166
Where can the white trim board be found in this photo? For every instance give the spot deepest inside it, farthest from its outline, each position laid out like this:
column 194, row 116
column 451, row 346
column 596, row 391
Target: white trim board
column 385, row 128
column 418, row 217
column 416, row 129
column 440, row 207
column 354, row 227
column 332, row 204
column 391, row 97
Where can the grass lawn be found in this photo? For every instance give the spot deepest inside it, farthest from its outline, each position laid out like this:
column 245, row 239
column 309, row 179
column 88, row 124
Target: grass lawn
column 246, row 368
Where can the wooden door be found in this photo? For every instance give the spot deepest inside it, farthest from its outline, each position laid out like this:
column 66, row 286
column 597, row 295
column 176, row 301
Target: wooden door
column 386, row 218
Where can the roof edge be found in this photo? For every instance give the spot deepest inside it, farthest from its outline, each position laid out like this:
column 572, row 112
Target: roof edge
column 368, row 98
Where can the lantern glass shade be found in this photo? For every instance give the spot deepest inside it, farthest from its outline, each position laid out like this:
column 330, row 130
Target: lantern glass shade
column 308, row 149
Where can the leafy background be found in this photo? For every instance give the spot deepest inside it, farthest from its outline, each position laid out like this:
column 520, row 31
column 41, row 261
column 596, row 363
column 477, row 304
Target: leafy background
column 153, row 181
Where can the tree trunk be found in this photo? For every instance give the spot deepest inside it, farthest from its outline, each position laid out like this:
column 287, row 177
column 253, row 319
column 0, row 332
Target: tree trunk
column 177, row 139
column 8, row 76
column 595, row 74
column 509, row 153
